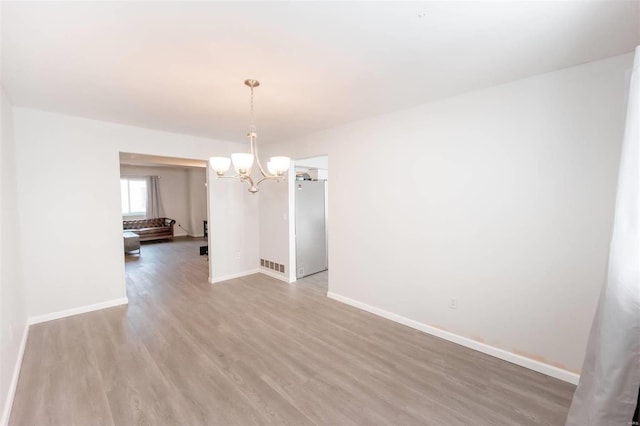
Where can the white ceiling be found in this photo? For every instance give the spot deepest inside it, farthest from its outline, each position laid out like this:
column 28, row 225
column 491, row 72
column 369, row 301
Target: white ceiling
column 180, row 66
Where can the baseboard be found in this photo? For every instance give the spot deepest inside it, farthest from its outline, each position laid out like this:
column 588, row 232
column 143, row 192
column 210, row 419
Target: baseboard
column 511, row 357
column 215, row 280
column 275, row 275
column 79, row 310
column 11, row 392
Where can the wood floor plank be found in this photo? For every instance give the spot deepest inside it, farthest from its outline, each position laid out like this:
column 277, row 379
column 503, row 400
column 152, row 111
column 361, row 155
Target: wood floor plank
column 254, row 350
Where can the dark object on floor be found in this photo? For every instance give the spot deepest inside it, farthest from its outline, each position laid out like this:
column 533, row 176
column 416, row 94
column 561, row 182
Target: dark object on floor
column 151, row 229
column 204, row 250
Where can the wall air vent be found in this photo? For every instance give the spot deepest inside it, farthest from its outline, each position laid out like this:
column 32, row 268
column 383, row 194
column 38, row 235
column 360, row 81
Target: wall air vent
column 272, row 265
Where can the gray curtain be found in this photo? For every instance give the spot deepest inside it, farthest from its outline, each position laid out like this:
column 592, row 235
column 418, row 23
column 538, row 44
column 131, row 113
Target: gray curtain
column 608, row 389
column 154, row 201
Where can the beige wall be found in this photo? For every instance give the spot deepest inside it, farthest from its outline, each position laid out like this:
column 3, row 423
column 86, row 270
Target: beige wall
column 13, row 312
column 501, row 198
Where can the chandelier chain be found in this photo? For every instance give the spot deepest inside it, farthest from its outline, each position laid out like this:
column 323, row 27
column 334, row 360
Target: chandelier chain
column 253, row 127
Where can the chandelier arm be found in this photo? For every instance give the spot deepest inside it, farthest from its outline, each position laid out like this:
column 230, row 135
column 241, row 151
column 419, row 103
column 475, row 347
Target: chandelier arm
column 242, row 178
column 247, row 179
column 277, row 178
column 254, row 150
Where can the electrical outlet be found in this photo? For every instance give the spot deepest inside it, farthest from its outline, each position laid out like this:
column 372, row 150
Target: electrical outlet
column 453, row 303
column 237, row 255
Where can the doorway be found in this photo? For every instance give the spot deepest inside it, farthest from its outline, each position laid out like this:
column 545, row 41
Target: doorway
column 164, row 212
column 311, row 218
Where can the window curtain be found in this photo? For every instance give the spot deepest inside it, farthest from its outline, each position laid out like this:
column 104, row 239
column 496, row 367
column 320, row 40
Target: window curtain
column 154, row 201
column 608, row 390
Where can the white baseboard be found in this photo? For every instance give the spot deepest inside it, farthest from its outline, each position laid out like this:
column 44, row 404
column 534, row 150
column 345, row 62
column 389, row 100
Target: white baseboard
column 513, row 358
column 79, row 310
column 11, row 392
column 215, row 280
column 275, row 275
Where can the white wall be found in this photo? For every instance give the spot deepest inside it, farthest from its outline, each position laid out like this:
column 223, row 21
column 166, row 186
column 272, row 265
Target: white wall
column 275, row 211
column 502, row 198
column 238, row 254
column 13, row 313
column 183, row 195
column 71, row 223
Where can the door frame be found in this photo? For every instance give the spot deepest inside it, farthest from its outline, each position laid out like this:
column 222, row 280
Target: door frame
column 291, row 184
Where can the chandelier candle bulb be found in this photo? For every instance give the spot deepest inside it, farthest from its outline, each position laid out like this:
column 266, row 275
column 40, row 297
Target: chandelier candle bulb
column 280, row 164
column 220, row 164
column 242, row 162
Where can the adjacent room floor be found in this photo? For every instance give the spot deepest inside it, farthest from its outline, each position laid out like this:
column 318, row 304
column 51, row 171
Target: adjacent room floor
column 255, row 350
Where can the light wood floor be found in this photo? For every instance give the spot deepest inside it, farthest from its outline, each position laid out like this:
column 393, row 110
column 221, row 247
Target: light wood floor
column 255, row 350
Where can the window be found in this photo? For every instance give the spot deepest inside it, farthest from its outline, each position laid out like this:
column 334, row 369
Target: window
column 134, row 197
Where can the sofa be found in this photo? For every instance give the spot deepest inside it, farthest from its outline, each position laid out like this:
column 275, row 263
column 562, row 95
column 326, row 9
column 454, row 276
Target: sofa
column 150, row 229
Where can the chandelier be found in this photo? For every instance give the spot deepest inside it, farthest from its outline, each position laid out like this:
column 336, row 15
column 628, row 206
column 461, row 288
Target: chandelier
column 243, row 161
